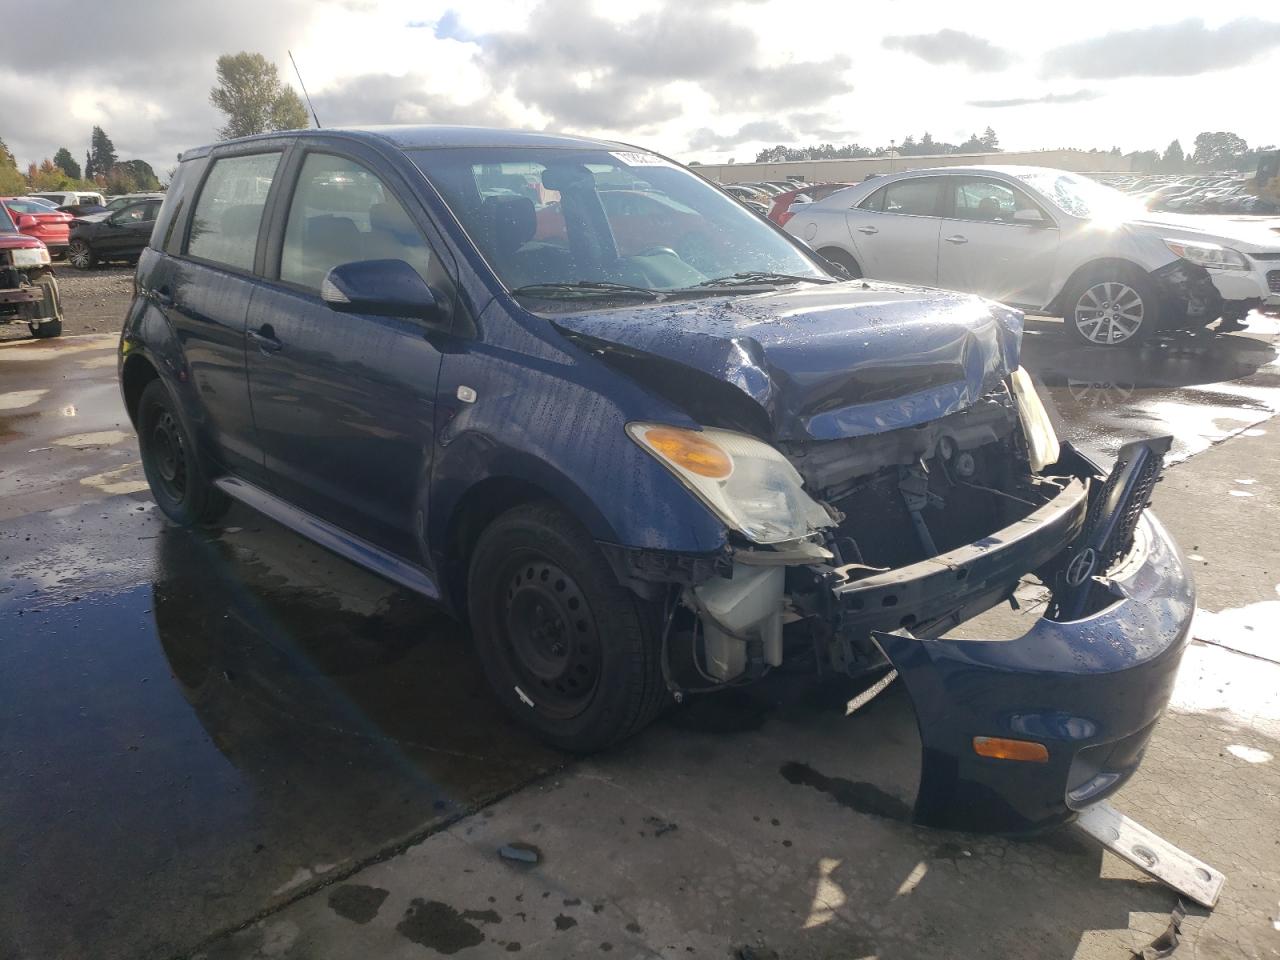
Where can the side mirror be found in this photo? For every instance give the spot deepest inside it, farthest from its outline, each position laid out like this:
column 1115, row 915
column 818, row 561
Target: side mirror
column 382, row 288
column 25, row 221
column 1031, row 218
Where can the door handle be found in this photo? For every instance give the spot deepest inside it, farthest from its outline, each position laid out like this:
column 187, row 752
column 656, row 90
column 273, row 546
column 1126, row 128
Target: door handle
column 868, row 230
column 162, row 297
column 265, row 338
column 957, row 238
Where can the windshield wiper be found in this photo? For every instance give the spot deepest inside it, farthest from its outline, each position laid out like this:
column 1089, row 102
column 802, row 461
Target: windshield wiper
column 760, row 276
column 587, row 288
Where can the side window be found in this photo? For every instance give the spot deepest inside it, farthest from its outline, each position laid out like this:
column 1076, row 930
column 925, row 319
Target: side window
column 993, row 202
column 224, row 225
column 131, row 214
column 342, row 213
column 152, row 209
column 915, row 197
column 875, row 201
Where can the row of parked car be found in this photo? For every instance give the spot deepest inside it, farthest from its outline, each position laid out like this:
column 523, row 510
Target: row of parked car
column 1217, row 193
column 83, row 226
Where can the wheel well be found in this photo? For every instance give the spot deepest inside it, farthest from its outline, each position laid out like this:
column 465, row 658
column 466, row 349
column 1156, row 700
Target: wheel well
column 479, row 507
column 844, row 258
column 1057, row 306
column 138, row 372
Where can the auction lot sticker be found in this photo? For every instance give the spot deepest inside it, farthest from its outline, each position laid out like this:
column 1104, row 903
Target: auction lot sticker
column 631, row 159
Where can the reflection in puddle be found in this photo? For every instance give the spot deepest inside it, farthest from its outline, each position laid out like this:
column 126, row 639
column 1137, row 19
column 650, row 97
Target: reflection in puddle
column 1201, row 389
column 220, row 728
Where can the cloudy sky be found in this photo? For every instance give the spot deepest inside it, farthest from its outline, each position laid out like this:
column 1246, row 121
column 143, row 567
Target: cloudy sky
column 703, row 80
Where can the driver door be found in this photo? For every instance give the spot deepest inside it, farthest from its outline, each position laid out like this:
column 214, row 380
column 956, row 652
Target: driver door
column 996, row 242
column 128, row 230
column 344, row 403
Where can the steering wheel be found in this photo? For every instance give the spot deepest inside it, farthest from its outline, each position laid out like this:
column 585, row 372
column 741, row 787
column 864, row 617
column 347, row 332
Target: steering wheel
column 658, row 252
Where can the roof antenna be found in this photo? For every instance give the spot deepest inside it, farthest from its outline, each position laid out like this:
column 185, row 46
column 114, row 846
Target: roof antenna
column 304, row 89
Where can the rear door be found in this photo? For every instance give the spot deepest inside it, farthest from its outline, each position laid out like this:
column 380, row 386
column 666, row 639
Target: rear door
column 895, row 231
column 997, row 242
column 345, row 403
column 204, row 288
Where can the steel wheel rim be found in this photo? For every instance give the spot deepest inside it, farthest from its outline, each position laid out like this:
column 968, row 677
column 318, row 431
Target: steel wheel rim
column 550, row 635
column 78, row 254
column 1109, row 312
column 168, row 455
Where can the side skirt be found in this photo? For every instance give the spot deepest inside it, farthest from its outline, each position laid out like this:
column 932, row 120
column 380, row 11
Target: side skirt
column 346, row 545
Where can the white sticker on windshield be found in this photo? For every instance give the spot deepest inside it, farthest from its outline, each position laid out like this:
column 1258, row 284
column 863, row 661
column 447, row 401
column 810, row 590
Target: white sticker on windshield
column 633, row 159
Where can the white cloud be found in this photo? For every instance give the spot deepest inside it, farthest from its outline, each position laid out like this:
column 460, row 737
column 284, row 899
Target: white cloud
column 697, row 81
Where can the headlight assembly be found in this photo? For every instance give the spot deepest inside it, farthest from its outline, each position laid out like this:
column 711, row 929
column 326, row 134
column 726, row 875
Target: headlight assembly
column 1042, row 440
column 30, row 257
column 1210, row 255
column 747, row 483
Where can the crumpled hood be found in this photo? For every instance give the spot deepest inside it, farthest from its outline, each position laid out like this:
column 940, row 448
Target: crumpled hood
column 825, row 362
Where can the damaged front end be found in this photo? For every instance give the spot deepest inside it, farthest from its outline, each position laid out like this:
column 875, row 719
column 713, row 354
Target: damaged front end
column 927, row 527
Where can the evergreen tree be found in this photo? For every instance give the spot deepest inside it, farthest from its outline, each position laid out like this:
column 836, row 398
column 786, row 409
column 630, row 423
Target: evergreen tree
column 66, row 163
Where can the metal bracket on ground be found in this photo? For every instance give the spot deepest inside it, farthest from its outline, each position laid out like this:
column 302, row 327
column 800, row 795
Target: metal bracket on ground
column 1153, row 855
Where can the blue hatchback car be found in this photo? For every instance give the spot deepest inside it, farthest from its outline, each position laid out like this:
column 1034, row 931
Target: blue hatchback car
column 649, row 445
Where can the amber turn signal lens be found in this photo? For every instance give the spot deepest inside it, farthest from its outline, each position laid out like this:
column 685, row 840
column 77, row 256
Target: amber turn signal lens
column 688, row 450
column 1002, row 749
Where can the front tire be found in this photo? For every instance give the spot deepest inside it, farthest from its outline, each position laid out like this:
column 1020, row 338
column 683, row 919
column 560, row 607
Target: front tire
column 1111, row 307
column 171, row 462
column 567, row 649
column 81, row 255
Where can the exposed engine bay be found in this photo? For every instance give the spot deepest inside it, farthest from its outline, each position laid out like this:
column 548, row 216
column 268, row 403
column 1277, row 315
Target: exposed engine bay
column 931, row 525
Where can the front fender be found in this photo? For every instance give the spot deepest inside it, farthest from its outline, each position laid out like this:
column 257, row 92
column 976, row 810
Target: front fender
column 558, row 423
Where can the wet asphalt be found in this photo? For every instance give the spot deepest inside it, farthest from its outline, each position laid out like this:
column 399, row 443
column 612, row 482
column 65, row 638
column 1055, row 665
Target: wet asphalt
column 197, row 727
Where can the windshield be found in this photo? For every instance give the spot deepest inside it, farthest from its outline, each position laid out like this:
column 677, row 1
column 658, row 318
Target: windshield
column 6, row 222
column 1081, row 196
column 554, row 216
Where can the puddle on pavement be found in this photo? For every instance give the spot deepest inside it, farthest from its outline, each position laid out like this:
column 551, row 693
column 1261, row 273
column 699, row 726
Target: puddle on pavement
column 1200, row 389
column 243, row 713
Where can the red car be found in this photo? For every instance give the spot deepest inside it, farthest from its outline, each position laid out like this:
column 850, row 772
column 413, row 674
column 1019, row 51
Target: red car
column 28, row 290
column 780, row 212
column 52, row 227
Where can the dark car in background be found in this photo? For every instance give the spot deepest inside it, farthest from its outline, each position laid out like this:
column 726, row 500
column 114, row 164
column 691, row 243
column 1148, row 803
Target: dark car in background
column 50, row 227
column 647, row 470
column 119, row 235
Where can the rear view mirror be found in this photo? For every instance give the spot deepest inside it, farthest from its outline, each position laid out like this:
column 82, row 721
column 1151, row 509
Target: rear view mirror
column 383, row 288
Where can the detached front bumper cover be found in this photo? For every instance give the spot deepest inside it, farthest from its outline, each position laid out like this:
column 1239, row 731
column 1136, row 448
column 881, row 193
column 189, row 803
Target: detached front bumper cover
column 1090, row 689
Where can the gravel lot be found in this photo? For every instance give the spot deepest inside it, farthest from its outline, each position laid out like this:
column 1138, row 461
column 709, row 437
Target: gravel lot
column 93, row 301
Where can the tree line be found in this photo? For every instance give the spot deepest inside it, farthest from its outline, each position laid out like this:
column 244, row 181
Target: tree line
column 926, row 146
column 103, row 170
column 1213, row 150
column 249, row 93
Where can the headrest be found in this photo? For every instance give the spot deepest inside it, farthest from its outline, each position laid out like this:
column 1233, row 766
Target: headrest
column 988, row 208
column 512, row 220
column 392, row 218
column 242, row 220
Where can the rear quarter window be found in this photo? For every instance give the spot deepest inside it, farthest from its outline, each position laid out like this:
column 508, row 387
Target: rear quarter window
column 228, row 211
column 167, row 234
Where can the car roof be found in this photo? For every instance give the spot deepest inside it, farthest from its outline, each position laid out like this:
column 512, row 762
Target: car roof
column 420, row 136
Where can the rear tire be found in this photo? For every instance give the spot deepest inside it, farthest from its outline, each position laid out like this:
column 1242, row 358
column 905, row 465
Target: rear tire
column 81, row 255
column 838, row 256
column 1111, row 307
column 178, row 480
column 567, row 649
